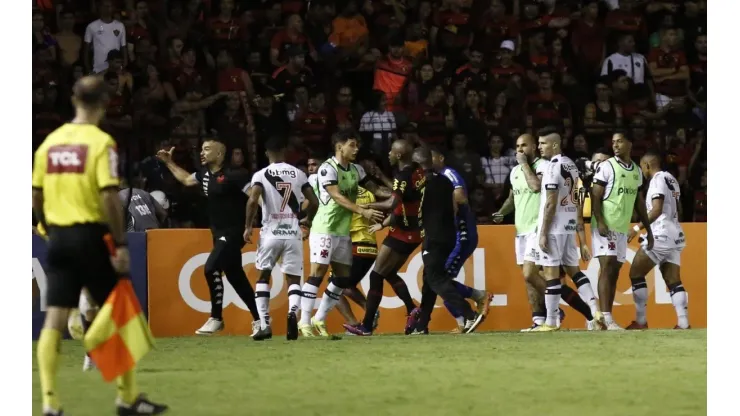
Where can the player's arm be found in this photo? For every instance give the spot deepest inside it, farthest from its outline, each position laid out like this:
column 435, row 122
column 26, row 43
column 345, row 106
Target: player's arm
column 534, row 181
column 106, row 171
column 385, row 205
column 508, row 205
column 183, row 176
column 330, row 182
column 253, row 203
column 580, row 227
column 37, row 193
column 552, row 190
column 379, row 192
column 313, row 202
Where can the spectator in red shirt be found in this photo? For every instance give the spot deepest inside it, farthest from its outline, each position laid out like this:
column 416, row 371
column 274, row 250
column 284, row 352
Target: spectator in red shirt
column 424, row 81
column 231, row 78
column 670, row 71
column 392, row 73
column 186, row 76
column 292, row 35
column 225, row 30
column 589, row 40
column 143, row 27
column 538, row 57
column 471, row 75
column 344, row 111
column 499, row 27
column 453, row 30
column 312, row 124
column 118, row 114
column 505, row 70
column 546, row 107
column 173, row 62
column 443, row 71
column 432, row 118
column 295, row 73
column 626, row 19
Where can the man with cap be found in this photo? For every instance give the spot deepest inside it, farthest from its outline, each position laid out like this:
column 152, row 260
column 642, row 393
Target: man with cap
column 616, row 186
column 506, row 70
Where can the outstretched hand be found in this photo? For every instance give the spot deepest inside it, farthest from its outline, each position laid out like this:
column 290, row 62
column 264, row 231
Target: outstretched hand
column 165, row 155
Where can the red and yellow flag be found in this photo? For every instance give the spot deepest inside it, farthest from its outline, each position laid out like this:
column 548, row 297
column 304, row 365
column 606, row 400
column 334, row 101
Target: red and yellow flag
column 119, row 336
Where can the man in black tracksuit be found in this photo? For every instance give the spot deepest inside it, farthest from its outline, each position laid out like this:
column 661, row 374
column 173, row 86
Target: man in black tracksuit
column 439, row 230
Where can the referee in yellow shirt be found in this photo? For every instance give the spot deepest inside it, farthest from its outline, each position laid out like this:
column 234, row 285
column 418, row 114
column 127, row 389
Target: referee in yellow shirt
column 75, row 197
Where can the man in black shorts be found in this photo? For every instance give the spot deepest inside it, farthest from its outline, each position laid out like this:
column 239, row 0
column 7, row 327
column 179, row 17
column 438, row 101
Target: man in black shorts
column 439, row 230
column 403, row 238
column 226, row 190
column 75, row 197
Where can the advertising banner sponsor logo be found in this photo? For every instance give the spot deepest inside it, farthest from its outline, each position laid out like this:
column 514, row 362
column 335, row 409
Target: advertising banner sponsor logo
column 137, row 251
column 179, row 300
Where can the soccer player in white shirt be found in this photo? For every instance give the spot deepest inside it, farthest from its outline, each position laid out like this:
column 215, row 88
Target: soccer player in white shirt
column 279, row 189
column 663, row 206
column 559, row 220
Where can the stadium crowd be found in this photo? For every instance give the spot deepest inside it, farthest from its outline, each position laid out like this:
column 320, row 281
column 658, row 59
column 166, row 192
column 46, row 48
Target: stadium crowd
column 468, row 76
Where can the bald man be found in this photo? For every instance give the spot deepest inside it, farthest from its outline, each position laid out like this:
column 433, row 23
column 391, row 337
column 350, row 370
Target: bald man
column 664, row 212
column 554, row 244
column 404, row 236
column 226, row 190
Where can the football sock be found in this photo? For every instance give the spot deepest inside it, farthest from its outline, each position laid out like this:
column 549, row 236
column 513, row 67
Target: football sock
column 374, row 296
column 308, row 298
column 294, row 298
column 402, row 291
column 640, row 295
column 574, row 300
column 128, row 391
column 47, row 354
column 262, row 298
column 328, row 301
column 680, row 301
column 552, row 301
column 586, row 291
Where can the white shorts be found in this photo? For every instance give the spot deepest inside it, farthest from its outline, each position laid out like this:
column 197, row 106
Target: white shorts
column 520, row 246
column 665, row 250
column 563, row 250
column 615, row 244
column 289, row 252
column 326, row 248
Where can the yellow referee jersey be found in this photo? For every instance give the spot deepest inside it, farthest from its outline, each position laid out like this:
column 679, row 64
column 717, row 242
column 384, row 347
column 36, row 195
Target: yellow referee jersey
column 72, row 166
column 359, row 225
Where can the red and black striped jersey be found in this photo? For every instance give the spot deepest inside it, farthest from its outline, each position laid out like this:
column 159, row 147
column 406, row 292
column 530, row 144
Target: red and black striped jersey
column 408, row 186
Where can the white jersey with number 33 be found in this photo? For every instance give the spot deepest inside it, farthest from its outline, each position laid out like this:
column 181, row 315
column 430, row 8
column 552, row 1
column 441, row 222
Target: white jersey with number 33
column 560, row 174
column 282, row 194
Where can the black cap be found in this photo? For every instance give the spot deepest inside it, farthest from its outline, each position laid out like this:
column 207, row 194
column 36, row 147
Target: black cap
column 396, row 40
column 114, row 54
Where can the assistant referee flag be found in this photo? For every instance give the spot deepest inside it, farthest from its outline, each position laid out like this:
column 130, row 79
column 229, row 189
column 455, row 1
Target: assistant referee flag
column 119, row 336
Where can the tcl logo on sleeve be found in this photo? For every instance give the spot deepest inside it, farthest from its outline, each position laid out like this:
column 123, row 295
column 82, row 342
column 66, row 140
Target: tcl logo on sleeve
column 66, row 159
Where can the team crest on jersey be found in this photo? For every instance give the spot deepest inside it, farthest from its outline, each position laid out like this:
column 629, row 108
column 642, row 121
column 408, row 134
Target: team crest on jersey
column 116, row 32
column 611, row 246
column 323, row 172
column 324, row 253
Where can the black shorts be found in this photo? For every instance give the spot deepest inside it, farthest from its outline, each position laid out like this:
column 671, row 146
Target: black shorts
column 79, row 256
column 360, row 266
column 400, row 247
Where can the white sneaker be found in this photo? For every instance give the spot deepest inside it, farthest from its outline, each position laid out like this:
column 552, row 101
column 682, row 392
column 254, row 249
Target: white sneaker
column 613, row 326
column 530, row 329
column 591, row 325
column 212, row 326
column 256, row 326
column 88, row 364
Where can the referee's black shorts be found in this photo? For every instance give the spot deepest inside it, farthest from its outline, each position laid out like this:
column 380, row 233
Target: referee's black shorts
column 79, row 256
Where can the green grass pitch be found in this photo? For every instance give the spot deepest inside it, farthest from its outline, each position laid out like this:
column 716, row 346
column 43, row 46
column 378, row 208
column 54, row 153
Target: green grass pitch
column 567, row 373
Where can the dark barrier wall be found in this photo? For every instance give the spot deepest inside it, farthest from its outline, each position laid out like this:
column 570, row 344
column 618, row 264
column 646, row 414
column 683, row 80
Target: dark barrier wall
column 137, row 248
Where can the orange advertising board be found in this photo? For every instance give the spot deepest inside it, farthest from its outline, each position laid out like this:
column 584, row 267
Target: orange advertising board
column 179, row 303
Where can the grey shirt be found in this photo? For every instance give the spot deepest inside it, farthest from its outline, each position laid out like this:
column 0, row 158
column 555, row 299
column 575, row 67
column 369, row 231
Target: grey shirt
column 142, row 214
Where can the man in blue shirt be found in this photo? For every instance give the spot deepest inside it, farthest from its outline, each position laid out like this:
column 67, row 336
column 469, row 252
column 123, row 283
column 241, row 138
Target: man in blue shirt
column 465, row 244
